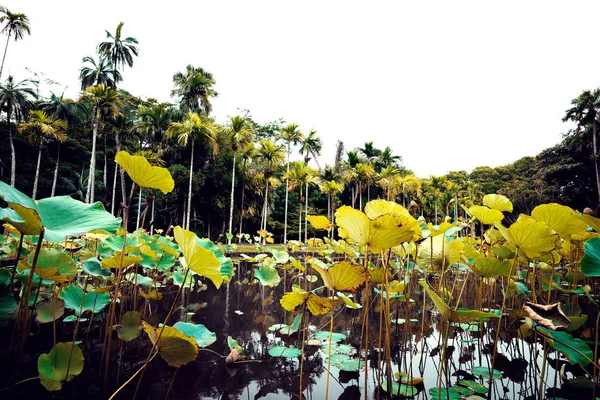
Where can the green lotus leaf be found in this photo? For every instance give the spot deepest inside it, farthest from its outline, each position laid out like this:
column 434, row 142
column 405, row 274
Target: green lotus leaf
column 288, row 330
column 445, row 394
column 590, row 263
column 351, row 365
column 93, row 267
column 131, row 326
column 489, row 267
column 5, row 277
column 55, row 259
column 286, row 352
column 484, row 372
column 23, row 213
column 53, row 367
column 460, row 315
column 8, row 306
column 174, row 347
column 233, row 344
column 76, row 300
column 576, row 351
column 335, row 337
column 48, row 311
column 203, row 336
column 143, row 281
column 178, row 279
column 281, row 257
column 401, row 389
column 338, row 348
column 268, row 276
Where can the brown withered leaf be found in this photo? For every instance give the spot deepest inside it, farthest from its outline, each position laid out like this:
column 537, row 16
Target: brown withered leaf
column 232, row 357
column 549, row 316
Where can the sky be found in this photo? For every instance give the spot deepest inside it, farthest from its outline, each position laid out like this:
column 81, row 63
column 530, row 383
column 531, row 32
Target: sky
column 448, row 85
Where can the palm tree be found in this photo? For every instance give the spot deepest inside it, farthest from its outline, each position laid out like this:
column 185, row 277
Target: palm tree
column 290, row 134
column 40, row 128
column 154, row 121
column 94, row 72
column 194, row 87
column 239, row 132
column 191, row 128
column 388, row 159
column 311, row 145
column 331, row 188
column 370, row 151
column 122, row 124
column 271, row 156
column 407, row 185
column 120, row 51
column 385, row 180
column 585, row 112
column 65, row 109
column 17, row 25
column 300, row 176
column 104, row 101
column 248, row 152
column 364, row 173
column 15, row 100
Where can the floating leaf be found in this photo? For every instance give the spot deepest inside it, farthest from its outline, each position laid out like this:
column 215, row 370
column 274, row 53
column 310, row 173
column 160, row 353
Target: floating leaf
column 267, row 275
column 286, row 352
column 549, row 315
column 203, row 336
column 350, row 365
column 445, row 394
column 335, row 337
column 145, row 175
column 175, row 348
column 53, row 367
column 400, row 389
column 484, row 372
column 131, row 326
column 478, row 387
column 288, row 330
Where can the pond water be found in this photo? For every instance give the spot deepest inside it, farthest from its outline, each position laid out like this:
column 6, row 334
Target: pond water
column 246, row 312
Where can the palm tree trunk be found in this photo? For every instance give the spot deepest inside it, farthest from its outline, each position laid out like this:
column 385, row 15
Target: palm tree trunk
column 152, row 220
column 37, row 173
column 114, row 190
column 316, row 160
column 360, row 195
column 123, row 189
column 105, row 163
column 55, row 171
column 13, row 162
column 189, row 205
column 286, row 196
column 4, row 56
column 263, row 224
column 242, row 209
column 306, row 217
column 300, row 215
column 89, row 197
column 596, row 158
column 231, row 201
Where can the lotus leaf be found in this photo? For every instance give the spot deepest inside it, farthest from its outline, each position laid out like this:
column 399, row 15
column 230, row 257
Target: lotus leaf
column 484, row 372
column 293, row 328
column 286, row 352
column 590, row 263
column 131, row 326
column 564, row 220
column 53, row 367
column 145, row 175
column 343, row 276
column 76, row 300
column 445, row 394
column 576, row 351
column 226, row 263
column 498, row 202
column 335, row 337
column 489, row 267
column 203, row 336
column 8, row 306
column 319, row 222
column 348, row 301
column 440, row 254
column 175, row 347
column 267, row 275
column 400, row 389
column 49, row 311
column 93, row 267
column 485, row 215
column 531, row 236
column 461, row 315
column 201, row 261
column 316, row 305
column 549, row 316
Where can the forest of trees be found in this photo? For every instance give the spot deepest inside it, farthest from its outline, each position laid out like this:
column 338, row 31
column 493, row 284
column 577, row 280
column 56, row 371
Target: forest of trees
column 240, row 169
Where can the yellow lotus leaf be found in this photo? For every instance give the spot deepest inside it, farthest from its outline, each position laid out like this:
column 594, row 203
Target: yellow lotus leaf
column 11, row 229
column 145, row 175
column 583, row 236
column 383, row 232
column 489, row 267
column 378, row 275
column 270, row 240
column 442, row 228
column 531, row 236
column 262, row 233
column 319, row 222
column 497, row 202
column 97, row 235
column 176, row 348
column 169, row 250
column 52, row 274
column 115, row 261
column 152, row 294
column 485, row 215
column 316, row 305
column 200, row 260
column 147, row 251
column 343, row 276
column 564, row 220
column 348, row 301
column 376, row 208
column 437, row 253
column 591, row 221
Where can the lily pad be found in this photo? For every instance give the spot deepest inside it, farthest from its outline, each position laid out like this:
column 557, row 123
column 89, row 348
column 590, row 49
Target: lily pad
column 203, row 336
column 53, row 367
column 131, row 326
column 335, row 337
column 76, row 300
column 400, row 389
column 445, row 394
column 484, row 372
column 268, row 276
column 286, row 352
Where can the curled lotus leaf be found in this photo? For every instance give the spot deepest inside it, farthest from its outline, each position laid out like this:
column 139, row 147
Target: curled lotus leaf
column 145, row 175
column 486, row 215
column 319, row 222
column 343, row 276
column 498, row 202
column 175, row 347
column 549, row 315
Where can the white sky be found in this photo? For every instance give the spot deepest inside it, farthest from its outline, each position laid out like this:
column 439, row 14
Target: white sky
column 449, row 85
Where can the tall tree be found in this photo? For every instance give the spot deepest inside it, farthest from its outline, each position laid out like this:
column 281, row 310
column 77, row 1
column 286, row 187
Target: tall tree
column 271, row 156
column 191, row 128
column 239, row 132
column 104, row 101
column 585, row 112
column 94, row 72
column 194, row 87
column 41, row 128
column 16, row 26
column 291, row 135
column 119, row 50
column 247, row 153
column 15, row 100
column 300, row 176
column 311, row 145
